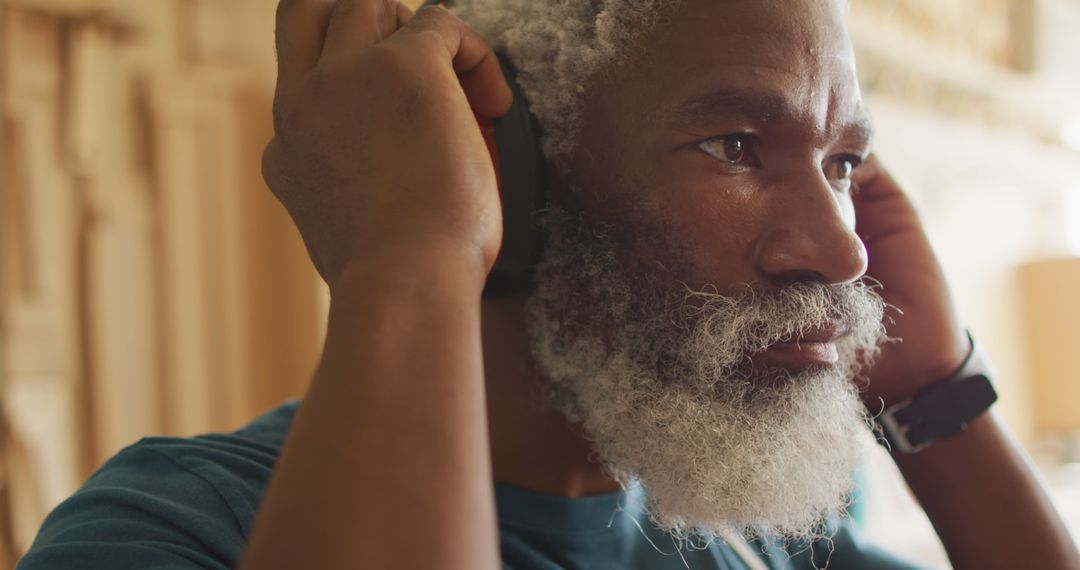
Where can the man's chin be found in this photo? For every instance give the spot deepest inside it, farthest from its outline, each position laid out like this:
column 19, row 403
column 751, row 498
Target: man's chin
column 712, row 463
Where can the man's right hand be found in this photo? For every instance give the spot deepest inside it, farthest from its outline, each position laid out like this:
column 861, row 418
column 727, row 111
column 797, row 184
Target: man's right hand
column 379, row 159
column 377, row 153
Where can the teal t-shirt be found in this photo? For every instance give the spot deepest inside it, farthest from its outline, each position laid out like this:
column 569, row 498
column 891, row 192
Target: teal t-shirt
column 189, row 503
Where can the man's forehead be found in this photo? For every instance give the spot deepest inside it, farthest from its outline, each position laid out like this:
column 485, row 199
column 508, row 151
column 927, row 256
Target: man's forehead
column 783, row 35
column 770, row 60
column 765, row 107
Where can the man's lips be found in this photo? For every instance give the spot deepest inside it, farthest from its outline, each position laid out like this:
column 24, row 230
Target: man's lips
column 828, row 333
column 816, row 346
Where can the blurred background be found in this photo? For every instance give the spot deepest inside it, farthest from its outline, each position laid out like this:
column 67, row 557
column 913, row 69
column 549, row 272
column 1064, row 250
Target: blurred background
column 150, row 284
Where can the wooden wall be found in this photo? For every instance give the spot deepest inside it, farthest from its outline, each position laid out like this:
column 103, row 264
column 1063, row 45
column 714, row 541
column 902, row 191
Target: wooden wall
column 149, row 283
column 1053, row 313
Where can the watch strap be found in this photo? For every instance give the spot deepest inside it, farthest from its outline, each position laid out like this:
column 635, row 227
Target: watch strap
column 941, row 410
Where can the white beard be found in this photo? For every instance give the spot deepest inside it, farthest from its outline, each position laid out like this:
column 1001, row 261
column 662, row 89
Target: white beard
column 660, row 380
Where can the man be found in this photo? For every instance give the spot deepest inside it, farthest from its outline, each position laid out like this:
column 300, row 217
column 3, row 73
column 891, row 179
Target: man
column 690, row 366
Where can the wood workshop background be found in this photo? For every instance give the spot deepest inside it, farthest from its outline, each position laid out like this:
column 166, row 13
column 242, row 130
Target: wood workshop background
column 150, row 284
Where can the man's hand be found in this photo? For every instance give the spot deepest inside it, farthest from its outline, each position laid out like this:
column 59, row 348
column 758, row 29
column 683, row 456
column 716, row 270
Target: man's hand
column 377, row 153
column 931, row 341
column 380, row 161
column 977, row 487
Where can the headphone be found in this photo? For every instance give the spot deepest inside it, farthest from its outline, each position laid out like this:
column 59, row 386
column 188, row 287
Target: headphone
column 522, row 178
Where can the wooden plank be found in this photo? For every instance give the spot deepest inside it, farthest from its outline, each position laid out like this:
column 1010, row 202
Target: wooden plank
column 40, row 340
column 1053, row 307
column 187, row 358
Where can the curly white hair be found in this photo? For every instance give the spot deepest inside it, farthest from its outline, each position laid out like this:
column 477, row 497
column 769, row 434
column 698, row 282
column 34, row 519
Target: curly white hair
column 558, row 46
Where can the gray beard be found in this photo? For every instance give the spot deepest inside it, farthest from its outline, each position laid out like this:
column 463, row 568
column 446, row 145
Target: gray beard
column 660, row 380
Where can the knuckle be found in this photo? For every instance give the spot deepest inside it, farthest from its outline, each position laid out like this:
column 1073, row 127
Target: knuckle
column 433, row 19
column 269, row 165
column 430, row 41
column 386, row 16
column 435, row 14
column 341, row 12
column 277, row 171
column 278, row 110
column 395, row 67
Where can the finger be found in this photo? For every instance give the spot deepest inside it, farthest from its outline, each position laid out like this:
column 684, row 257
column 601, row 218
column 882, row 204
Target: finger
column 881, row 206
column 404, row 15
column 872, row 179
column 357, row 24
column 474, row 62
column 299, row 33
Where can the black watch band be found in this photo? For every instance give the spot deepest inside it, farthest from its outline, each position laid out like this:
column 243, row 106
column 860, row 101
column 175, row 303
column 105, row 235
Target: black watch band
column 944, row 409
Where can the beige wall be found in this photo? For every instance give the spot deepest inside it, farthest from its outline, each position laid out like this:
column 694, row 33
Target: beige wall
column 987, row 218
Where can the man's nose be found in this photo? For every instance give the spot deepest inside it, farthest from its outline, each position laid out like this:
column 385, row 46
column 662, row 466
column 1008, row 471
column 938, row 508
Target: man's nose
column 812, row 235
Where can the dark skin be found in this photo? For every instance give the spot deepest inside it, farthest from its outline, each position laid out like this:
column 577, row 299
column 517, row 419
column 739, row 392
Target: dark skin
column 404, row 246
column 773, row 210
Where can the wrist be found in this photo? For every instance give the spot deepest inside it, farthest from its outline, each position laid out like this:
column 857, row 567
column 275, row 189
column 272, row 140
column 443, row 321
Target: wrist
column 943, row 409
column 383, row 299
column 444, row 270
column 906, row 377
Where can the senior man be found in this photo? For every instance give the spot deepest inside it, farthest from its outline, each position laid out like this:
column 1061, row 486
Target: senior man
column 687, row 380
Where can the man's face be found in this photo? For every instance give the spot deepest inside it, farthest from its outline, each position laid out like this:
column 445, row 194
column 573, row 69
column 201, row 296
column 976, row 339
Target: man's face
column 696, row 310
column 736, row 128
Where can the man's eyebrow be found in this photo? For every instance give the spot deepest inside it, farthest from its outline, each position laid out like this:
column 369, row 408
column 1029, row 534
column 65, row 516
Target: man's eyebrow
column 762, row 107
column 860, row 129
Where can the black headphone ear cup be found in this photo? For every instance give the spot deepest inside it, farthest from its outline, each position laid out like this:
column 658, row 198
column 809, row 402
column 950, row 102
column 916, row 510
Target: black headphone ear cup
column 523, row 187
column 523, row 190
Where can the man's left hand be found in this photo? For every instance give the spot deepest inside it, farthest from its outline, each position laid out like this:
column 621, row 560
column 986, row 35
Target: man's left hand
column 930, row 341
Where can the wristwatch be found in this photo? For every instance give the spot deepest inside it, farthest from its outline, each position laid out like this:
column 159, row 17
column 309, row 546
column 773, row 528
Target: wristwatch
column 943, row 409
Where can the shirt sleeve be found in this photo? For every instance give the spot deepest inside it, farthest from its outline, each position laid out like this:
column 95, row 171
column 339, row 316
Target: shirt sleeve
column 142, row 510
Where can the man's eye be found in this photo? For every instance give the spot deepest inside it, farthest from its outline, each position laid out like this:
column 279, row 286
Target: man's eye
column 731, row 149
column 842, row 168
